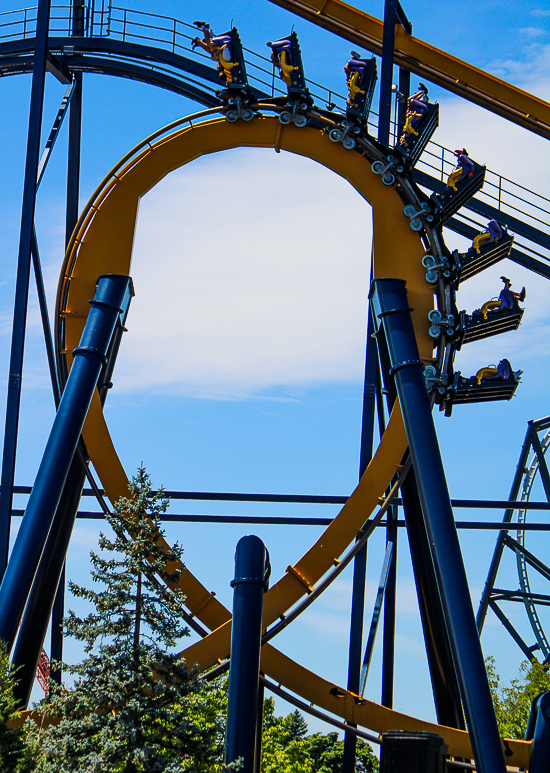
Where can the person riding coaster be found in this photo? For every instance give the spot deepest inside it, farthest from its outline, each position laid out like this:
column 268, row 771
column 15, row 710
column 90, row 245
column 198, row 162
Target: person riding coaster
column 219, row 47
column 355, row 68
column 507, row 299
column 417, row 107
column 495, row 231
column 281, row 56
column 502, row 372
column 464, row 168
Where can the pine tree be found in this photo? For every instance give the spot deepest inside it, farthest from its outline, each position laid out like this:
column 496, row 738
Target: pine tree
column 296, row 727
column 127, row 711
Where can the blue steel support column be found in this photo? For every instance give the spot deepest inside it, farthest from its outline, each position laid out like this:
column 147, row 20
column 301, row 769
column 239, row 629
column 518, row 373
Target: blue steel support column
column 360, row 561
column 71, row 219
column 440, row 660
column 540, row 754
column 388, row 643
column 22, row 281
column 392, row 309
column 405, row 90
column 46, row 583
column 251, row 576
column 386, row 76
column 499, row 547
column 89, row 357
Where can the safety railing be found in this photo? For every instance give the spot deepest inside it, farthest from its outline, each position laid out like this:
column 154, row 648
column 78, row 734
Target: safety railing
column 102, row 19
column 498, row 191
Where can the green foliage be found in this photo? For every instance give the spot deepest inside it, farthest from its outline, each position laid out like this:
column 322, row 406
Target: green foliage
column 127, row 711
column 287, row 748
column 286, row 745
column 134, row 706
column 513, row 703
column 13, row 757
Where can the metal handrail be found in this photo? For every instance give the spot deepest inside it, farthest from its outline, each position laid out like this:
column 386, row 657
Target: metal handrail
column 175, row 35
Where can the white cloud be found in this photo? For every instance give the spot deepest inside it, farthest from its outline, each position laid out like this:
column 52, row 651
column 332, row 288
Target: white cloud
column 533, row 32
column 251, row 272
column 531, row 68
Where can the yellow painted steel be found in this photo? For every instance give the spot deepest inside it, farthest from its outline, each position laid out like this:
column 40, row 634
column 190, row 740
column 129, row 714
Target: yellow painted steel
column 328, row 696
column 429, row 62
column 103, row 244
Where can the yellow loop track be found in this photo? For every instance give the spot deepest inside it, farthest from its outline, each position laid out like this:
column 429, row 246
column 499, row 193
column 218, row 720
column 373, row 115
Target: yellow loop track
column 102, row 243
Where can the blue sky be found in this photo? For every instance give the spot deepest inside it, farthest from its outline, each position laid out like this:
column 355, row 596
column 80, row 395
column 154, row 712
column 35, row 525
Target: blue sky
column 242, row 367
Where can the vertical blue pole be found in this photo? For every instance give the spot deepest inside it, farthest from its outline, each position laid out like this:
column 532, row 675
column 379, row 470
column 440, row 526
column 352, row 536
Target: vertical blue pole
column 22, row 281
column 71, row 218
column 393, row 312
column 388, row 642
column 251, row 577
column 89, row 358
column 360, row 561
column 386, row 76
column 540, row 754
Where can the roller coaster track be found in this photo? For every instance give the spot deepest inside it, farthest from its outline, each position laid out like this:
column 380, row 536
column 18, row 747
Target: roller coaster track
column 102, row 243
column 429, row 62
column 119, row 44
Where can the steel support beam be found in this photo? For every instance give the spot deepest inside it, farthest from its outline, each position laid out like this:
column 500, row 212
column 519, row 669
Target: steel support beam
column 388, row 639
column 524, row 647
column 541, row 736
column 22, row 281
column 371, row 638
column 386, row 76
column 250, row 582
column 393, row 312
column 89, row 358
column 71, row 218
column 360, row 561
column 445, row 688
column 500, row 543
column 44, row 590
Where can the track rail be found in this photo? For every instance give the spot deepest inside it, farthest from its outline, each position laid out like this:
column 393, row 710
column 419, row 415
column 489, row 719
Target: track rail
column 429, row 62
column 102, row 243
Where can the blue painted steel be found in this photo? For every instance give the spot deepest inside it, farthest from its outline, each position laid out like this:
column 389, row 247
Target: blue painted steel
column 89, row 357
column 405, row 91
column 48, row 340
column 392, row 310
column 360, row 561
column 386, row 76
column 40, row 602
column 388, row 631
column 54, row 132
column 71, row 218
column 499, row 547
column 532, row 721
column 22, row 281
column 445, row 688
column 251, row 577
column 73, row 163
column 376, row 616
column 540, row 755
